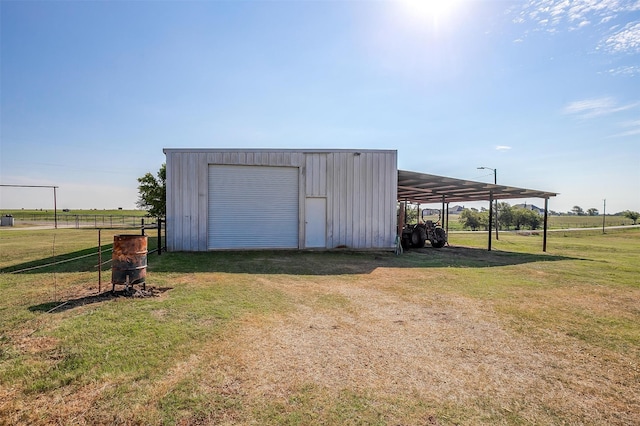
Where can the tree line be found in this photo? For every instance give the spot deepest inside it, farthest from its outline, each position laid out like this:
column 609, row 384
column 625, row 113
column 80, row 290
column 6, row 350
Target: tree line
column 517, row 218
column 509, row 217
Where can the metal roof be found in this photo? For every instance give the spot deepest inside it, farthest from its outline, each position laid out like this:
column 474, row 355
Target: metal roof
column 424, row 188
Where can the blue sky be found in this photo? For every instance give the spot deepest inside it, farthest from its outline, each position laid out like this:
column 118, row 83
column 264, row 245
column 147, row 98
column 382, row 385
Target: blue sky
column 544, row 91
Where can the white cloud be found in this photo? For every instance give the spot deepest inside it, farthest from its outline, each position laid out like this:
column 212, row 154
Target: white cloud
column 590, row 108
column 559, row 11
column 632, row 132
column 628, row 70
column 503, row 148
column 625, row 40
column 555, row 16
column 633, row 129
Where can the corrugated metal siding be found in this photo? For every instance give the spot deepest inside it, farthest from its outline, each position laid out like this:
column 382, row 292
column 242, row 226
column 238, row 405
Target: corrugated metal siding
column 361, row 200
column 253, row 207
column 316, row 175
column 360, row 189
column 183, row 213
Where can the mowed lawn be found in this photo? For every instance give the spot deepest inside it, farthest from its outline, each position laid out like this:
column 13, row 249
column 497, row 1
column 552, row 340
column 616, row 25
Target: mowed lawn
column 456, row 335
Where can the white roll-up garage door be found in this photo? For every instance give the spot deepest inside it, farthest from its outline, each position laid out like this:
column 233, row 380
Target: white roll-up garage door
column 253, row 207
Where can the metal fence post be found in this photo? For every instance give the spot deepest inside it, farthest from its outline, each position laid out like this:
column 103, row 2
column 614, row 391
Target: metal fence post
column 159, row 236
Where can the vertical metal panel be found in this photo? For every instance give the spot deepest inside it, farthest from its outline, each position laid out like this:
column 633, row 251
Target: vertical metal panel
column 174, row 225
column 170, row 222
column 181, row 168
column 301, row 205
column 361, row 199
column 391, row 199
column 193, row 202
column 178, row 201
column 354, row 213
column 203, row 200
column 330, row 201
column 340, row 194
column 344, row 186
column 184, row 192
column 368, row 191
column 349, row 194
column 378, row 206
column 316, row 175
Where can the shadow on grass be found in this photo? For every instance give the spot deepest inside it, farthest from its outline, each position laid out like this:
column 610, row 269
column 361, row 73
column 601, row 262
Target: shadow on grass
column 296, row 262
column 78, row 261
column 56, row 307
column 338, row 262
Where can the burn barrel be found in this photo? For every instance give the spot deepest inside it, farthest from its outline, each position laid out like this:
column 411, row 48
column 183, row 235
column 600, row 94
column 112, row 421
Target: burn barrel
column 129, row 259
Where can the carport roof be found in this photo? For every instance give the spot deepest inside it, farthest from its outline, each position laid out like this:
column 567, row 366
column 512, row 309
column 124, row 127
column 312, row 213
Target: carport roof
column 425, row 188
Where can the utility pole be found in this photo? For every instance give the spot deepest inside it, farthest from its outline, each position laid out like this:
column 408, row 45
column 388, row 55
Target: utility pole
column 604, row 214
column 495, row 182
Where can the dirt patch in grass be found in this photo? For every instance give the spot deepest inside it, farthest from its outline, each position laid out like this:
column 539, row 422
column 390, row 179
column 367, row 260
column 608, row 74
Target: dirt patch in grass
column 437, row 348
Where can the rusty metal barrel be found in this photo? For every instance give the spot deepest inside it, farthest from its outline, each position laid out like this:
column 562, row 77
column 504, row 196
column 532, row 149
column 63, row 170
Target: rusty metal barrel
column 129, row 259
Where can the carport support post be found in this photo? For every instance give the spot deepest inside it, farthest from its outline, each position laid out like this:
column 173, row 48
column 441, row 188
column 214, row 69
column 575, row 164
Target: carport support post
column 447, row 222
column 99, row 261
column 490, row 217
column 404, row 218
column 546, row 221
column 401, row 215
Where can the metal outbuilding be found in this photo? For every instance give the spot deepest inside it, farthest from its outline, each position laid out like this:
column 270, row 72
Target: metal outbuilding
column 303, row 199
column 290, row 199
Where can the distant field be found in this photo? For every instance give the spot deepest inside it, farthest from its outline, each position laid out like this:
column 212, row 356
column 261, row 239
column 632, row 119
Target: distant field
column 449, row 336
column 48, row 213
column 587, row 221
column 558, row 222
column 79, row 218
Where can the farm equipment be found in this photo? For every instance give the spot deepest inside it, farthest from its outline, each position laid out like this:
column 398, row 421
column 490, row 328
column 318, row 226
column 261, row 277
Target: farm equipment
column 415, row 235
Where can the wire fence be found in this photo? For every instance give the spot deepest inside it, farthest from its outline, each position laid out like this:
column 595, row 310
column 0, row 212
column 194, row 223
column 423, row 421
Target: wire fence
column 80, row 220
column 155, row 229
column 610, row 221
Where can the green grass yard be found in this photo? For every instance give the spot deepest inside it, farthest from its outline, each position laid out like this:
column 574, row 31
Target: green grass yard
column 451, row 336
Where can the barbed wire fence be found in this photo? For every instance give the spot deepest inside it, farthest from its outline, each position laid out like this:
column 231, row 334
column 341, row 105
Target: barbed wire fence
column 154, row 226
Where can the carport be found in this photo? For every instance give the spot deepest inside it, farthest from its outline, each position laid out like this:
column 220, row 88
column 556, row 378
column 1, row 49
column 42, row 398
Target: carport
column 422, row 188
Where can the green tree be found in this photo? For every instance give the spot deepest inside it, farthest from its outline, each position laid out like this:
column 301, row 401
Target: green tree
column 577, row 210
column 153, row 193
column 593, row 212
column 411, row 213
column 474, row 220
column 634, row 216
column 525, row 218
column 505, row 215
